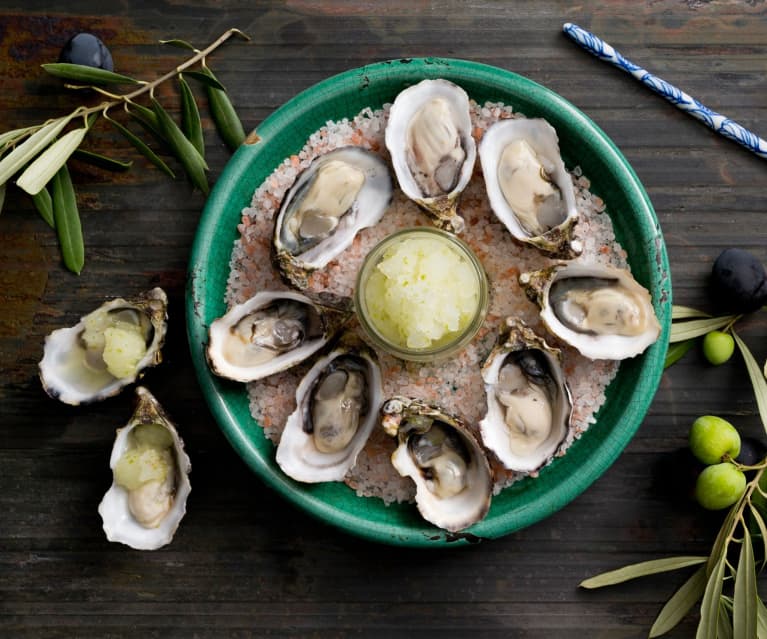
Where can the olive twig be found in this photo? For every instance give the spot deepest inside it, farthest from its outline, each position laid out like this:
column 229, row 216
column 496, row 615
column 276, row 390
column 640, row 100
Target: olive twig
column 40, row 155
column 729, row 326
column 740, row 605
column 149, row 87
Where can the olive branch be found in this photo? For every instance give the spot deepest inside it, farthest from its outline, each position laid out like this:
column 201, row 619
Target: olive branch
column 39, row 153
column 726, row 580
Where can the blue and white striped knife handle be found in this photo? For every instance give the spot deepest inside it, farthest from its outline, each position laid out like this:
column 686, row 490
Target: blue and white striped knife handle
column 716, row 121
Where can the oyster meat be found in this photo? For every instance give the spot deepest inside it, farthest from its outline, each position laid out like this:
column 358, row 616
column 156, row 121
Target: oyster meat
column 445, row 460
column 147, row 498
column 600, row 310
column 528, row 402
column 528, row 187
column 340, row 193
column 271, row 332
column 432, row 151
column 337, row 404
column 106, row 350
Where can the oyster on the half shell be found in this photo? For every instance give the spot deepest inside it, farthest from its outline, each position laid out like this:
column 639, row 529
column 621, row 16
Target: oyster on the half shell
column 600, row 310
column 528, row 187
column 271, row 332
column 339, row 193
column 337, row 404
column 147, row 499
column 106, row 350
column 528, row 402
column 432, row 150
column 442, row 456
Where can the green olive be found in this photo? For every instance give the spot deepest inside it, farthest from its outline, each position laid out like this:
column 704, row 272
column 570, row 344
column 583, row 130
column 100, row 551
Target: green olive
column 711, row 438
column 718, row 347
column 719, row 486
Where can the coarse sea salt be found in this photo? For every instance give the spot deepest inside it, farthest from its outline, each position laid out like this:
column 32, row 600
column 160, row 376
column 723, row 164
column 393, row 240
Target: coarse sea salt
column 456, row 384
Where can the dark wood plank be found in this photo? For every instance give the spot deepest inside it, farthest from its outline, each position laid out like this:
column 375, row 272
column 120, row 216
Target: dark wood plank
column 244, row 562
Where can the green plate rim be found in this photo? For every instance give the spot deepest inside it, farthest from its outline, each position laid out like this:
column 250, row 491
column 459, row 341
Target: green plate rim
column 531, row 499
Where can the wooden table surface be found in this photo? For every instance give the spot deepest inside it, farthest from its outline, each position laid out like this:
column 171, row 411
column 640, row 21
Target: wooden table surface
column 245, row 563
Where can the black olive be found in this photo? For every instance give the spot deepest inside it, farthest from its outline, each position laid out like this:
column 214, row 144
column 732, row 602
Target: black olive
column 738, row 281
column 752, row 451
column 88, row 50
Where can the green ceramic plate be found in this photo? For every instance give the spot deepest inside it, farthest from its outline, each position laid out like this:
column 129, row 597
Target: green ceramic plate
column 583, row 143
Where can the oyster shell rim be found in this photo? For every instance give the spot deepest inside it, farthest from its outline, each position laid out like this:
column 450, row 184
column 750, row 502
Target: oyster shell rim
column 441, row 209
column 394, row 410
column 295, row 271
column 558, row 241
column 524, row 337
column 333, row 319
column 611, row 347
column 293, row 437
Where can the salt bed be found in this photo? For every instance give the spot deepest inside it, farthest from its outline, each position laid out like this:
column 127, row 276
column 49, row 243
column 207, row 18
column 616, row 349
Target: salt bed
column 456, row 385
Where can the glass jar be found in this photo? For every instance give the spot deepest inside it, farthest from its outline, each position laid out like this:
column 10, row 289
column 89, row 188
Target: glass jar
column 468, row 283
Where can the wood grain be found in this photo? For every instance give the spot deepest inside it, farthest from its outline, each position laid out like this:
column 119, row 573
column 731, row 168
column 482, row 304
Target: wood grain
column 245, row 563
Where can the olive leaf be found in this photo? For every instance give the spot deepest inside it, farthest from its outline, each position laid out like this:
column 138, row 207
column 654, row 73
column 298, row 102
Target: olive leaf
column 744, row 600
column 142, row 148
column 181, row 44
column 44, row 205
column 760, row 524
column 2, row 196
column 23, row 153
column 680, row 603
column 686, row 312
column 677, row 351
column 146, row 118
column 190, row 117
column 641, row 569
column 193, row 163
column 82, row 73
column 709, row 608
column 101, row 161
column 761, row 620
column 757, row 378
column 67, row 221
column 40, row 172
column 720, row 543
column 11, row 137
column 224, row 115
column 696, row 328
column 723, row 621
column 148, row 121
column 207, row 80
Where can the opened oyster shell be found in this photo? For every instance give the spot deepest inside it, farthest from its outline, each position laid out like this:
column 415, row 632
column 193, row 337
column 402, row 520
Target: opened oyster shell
column 445, row 460
column 432, row 151
column 528, row 187
column 600, row 310
column 147, row 498
column 528, row 402
column 340, row 193
column 271, row 332
column 106, row 350
column 337, row 404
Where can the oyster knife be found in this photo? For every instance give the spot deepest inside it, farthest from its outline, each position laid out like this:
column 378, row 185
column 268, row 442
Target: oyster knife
column 713, row 120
